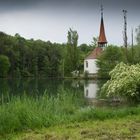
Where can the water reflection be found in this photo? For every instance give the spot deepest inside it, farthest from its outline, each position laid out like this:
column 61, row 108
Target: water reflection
column 33, row 87
column 88, row 92
column 90, row 89
column 38, row 86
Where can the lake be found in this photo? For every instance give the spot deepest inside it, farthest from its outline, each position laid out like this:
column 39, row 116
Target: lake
column 88, row 90
column 34, row 87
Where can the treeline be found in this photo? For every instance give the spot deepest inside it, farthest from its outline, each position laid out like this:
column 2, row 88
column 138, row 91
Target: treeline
column 113, row 55
column 20, row 57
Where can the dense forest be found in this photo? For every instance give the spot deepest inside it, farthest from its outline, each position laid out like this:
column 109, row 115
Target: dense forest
column 20, row 57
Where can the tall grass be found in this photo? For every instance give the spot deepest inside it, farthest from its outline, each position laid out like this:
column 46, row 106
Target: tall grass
column 23, row 113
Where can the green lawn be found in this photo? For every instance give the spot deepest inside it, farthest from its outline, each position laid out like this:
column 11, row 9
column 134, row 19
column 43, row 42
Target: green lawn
column 127, row 128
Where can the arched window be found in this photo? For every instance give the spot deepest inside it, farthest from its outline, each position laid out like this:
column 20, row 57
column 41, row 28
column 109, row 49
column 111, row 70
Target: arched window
column 86, row 64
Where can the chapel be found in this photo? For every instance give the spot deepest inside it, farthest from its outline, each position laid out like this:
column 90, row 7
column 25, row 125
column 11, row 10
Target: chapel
column 90, row 61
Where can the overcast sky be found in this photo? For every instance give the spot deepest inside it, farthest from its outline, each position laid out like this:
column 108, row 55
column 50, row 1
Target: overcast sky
column 51, row 19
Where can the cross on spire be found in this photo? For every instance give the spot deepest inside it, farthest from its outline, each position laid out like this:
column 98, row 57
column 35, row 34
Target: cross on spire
column 102, row 10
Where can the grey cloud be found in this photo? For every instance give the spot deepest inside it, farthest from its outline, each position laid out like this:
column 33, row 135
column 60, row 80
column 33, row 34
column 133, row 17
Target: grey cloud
column 6, row 5
column 50, row 19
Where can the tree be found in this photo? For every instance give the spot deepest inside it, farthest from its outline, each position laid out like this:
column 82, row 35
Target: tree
column 110, row 57
column 94, row 43
column 52, row 62
column 135, row 57
column 72, row 55
column 138, row 35
column 4, row 65
column 84, row 48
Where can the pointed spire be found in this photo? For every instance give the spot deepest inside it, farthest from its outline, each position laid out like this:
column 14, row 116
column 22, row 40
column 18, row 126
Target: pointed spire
column 102, row 37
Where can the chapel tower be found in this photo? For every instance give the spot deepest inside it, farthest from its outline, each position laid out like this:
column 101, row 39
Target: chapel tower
column 102, row 41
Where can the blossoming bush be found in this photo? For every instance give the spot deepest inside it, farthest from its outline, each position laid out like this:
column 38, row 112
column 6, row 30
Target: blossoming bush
column 125, row 81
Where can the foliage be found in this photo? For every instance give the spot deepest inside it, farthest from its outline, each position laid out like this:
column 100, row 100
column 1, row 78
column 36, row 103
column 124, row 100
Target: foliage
column 95, row 42
column 138, row 35
column 21, row 113
column 84, row 51
column 31, row 57
column 4, row 65
column 37, row 58
column 125, row 81
column 110, row 57
column 133, row 55
column 72, row 55
column 28, row 113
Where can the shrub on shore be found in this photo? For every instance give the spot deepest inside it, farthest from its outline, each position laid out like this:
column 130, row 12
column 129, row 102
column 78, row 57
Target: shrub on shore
column 124, row 82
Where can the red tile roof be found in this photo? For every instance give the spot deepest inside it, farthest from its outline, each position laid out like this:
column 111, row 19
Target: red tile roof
column 95, row 53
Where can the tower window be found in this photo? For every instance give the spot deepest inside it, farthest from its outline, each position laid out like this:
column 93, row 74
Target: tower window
column 86, row 64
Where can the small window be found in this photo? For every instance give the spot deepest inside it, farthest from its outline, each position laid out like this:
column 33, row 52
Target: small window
column 87, row 93
column 86, row 64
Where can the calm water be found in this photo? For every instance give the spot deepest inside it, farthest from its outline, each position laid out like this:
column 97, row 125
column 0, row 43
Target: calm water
column 88, row 90
column 33, row 87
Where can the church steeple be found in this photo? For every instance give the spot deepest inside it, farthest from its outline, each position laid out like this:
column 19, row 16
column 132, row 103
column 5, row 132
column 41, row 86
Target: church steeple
column 102, row 37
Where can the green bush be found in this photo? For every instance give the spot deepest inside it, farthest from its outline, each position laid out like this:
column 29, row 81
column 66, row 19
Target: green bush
column 125, row 81
column 4, row 65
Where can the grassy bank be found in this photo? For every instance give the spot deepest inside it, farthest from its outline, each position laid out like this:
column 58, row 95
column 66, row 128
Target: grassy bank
column 123, row 129
column 28, row 113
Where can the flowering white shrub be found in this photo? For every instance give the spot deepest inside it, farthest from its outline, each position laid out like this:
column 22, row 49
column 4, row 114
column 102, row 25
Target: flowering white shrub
column 125, row 81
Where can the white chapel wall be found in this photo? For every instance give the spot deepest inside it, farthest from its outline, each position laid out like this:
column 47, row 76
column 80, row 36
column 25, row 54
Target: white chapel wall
column 90, row 66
